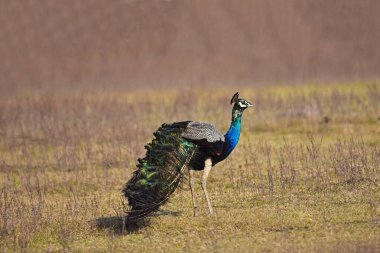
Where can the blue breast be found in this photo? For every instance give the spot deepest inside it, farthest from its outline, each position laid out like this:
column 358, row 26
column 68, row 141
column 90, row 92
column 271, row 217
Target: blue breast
column 231, row 139
column 232, row 136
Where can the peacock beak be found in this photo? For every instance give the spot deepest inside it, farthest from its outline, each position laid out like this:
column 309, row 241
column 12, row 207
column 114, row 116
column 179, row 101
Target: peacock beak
column 250, row 104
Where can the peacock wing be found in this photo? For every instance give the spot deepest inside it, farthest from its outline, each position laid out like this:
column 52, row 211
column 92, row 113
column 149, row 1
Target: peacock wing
column 205, row 136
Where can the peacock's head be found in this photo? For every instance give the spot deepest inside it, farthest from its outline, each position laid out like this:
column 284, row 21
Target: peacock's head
column 240, row 104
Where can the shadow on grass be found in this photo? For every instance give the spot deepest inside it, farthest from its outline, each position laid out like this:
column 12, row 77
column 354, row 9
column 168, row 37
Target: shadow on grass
column 119, row 226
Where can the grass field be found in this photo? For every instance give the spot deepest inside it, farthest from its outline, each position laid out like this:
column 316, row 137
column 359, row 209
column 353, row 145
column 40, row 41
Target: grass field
column 304, row 177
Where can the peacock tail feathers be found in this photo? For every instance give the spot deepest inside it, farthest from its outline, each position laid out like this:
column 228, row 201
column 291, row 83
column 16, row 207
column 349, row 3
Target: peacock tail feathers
column 161, row 171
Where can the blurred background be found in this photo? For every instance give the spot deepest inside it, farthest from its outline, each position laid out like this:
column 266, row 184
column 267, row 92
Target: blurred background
column 127, row 44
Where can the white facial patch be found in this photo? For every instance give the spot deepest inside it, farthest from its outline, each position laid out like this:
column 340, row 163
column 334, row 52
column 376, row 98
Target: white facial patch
column 242, row 105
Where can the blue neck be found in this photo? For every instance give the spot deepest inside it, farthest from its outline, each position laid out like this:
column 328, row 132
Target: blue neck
column 232, row 135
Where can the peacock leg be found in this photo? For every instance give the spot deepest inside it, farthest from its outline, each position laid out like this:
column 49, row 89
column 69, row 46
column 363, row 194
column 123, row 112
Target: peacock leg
column 191, row 181
column 206, row 171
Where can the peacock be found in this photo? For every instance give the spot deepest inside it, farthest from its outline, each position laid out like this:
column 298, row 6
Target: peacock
column 178, row 148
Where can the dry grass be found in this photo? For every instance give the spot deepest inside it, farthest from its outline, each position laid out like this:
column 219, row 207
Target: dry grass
column 305, row 176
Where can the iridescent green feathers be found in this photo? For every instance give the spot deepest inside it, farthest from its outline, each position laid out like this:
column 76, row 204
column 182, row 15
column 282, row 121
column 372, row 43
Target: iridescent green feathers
column 160, row 172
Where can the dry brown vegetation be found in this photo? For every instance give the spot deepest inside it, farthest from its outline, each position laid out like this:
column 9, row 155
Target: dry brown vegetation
column 304, row 177
column 169, row 43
